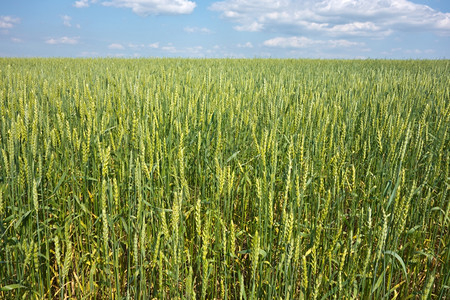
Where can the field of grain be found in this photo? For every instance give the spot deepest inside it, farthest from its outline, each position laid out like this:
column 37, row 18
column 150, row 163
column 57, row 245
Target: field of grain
column 224, row 179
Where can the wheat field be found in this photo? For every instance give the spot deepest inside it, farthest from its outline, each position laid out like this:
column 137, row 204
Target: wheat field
column 224, row 179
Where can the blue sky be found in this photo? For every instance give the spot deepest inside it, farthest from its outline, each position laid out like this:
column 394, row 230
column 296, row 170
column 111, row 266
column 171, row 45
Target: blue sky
column 398, row 29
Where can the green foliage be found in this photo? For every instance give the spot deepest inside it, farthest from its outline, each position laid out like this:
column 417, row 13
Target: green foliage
column 224, row 179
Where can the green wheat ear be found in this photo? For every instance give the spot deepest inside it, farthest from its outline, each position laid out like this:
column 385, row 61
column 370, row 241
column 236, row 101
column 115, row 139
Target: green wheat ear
column 255, row 253
column 198, row 220
column 104, row 215
column 2, row 205
column 428, row 285
column 35, row 197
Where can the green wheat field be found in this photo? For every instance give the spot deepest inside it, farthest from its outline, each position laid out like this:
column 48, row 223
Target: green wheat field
column 224, row 179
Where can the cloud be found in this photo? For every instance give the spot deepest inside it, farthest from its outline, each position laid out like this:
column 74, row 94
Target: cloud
column 116, row 47
column 66, row 20
column 195, row 51
column 419, row 51
column 304, row 42
column 16, row 40
column 169, row 49
column 136, row 46
column 400, row 51
column 254, row 26
column 246, row 45
column 197, row 29
column 63, row 40
column 81, row 3
column 132, row 46
column 365, row 18
column 7, row 22
column 154, row 7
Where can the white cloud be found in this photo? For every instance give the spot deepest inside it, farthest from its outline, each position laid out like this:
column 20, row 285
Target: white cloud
column 154, row 7
column 81, row 3
column 366, row 18
column 400, row 51
column 136, row 46
column 169, row 48
column 194, row 51
column 66, row 20
column 254, row 26
column 8, row 22
column 358, row 29
column 63, row 40
column 246, row 45
column 197, row 29
column 16, row 40
column 304, row 42
column 116, row 46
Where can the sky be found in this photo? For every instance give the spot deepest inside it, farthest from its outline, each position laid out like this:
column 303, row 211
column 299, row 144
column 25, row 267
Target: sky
column 348, row 29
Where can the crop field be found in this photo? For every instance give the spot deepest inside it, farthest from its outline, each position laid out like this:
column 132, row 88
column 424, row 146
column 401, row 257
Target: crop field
column 224, row 179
